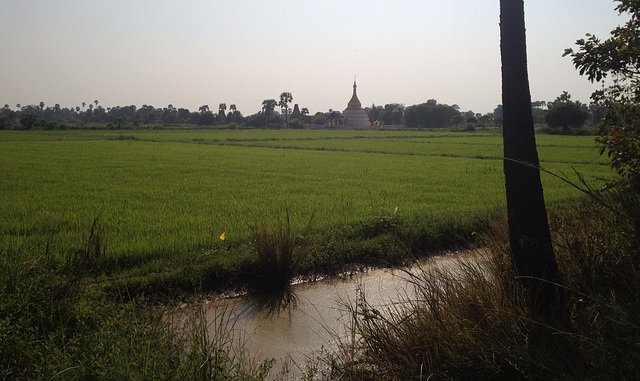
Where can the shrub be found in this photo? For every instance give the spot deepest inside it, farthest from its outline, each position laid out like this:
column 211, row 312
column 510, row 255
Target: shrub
column 296, row 124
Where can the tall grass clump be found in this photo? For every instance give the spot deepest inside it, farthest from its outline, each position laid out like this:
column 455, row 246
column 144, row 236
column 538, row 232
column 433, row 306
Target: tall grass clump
column 59, row 324
column 280, row 252
column 90, row 257
column 470, row 320
column 214, row 350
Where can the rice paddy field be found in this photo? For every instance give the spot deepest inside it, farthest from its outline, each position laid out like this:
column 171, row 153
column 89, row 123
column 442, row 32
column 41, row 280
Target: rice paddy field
column 170, row 193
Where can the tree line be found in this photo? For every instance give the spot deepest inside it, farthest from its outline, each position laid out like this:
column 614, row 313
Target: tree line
column 561, row 115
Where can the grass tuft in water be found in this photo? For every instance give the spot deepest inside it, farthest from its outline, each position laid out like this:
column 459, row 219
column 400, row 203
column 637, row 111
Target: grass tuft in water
column 280, row 252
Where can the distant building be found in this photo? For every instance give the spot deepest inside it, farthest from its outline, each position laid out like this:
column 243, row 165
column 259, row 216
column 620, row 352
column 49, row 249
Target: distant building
column 354, row 114
column 296, row 112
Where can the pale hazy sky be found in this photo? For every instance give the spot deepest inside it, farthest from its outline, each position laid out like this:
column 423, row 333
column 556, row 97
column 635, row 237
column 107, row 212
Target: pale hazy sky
column 189, row 53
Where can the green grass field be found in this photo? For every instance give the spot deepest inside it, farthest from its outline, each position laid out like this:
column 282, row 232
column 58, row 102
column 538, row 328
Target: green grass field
column 102, row 231
column 167, row 194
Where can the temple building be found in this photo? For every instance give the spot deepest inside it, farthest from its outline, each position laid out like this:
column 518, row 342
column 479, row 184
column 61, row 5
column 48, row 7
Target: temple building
column 354, row 114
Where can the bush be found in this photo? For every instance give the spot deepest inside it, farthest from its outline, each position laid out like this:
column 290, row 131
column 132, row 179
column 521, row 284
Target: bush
column 296, row 124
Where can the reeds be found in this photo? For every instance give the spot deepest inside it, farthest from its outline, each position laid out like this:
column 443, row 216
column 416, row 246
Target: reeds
column 280, row 252
column 470, row 321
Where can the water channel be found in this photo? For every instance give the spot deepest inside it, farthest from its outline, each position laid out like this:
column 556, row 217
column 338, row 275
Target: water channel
column 317, row 317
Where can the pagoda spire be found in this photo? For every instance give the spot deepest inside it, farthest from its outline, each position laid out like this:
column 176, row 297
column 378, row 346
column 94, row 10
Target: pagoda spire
column 354, row 103
column 354, row 114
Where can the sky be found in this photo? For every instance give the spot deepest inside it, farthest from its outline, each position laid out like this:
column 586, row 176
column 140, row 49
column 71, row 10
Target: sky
column 190, row 53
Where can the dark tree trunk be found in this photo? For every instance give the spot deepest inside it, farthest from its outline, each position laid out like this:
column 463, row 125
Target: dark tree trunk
column 529, row 234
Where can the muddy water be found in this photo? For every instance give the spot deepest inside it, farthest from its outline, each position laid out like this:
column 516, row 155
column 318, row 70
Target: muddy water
column 316, row 318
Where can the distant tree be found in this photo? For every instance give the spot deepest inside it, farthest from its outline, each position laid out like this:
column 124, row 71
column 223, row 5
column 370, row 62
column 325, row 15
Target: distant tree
column 183, row 115
column 137, row 121
column 597, row 111
column 529, row 235
column 206, row 118
column 83, row 104
column 99, row 114
column 232, row 107
column 146, row 113
column 28, row 120
column 285, row 99
column 319, row 118
column 539, row 104
column 268, row 108
column 169, row 115
column 221, row 111
column 457, row 120
column 194, row 117
column 498, row 111
column 485, row 120
column 18, row 106
column 5, row 123
column 430, row 115
column 565, row 114
column 120, row 121
column 41, row 105
column 203, row 109
column 539, row 111
column 235, row 116
column 470, row 117
column 372, row 114
column 393, row 114
column 297, row 124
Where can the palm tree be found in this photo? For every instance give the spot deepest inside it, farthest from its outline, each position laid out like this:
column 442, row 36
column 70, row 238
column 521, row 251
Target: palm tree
column 529, row 234
column 268, row 106
column 285, row 99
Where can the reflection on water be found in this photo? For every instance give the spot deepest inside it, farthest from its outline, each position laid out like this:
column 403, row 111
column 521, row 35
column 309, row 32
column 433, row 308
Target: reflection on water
column 293, row 327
